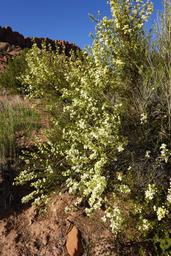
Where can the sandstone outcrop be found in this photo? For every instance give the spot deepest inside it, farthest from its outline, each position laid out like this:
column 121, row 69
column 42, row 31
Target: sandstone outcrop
column 11, row 44
column 16, row 39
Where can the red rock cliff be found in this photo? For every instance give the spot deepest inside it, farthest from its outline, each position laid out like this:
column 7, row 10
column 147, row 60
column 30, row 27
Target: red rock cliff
column 15, row 38
column 11, row 44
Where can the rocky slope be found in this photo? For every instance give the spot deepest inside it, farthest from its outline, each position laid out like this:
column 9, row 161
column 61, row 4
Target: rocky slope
column 11, row 44
column 56, row 233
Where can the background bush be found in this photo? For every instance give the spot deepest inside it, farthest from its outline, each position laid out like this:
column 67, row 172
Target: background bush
column 9, row 81
column 17, row 120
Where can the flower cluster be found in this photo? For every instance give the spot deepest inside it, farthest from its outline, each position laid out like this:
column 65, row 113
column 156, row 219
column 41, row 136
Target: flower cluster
column 169, row 194
column 143, row 118
column 150, row 192
column 144, row 225
column 134, row 14
column 116, row 219
column 116, row 46
column 161, row 213
column 92, row 136
column 165, row 153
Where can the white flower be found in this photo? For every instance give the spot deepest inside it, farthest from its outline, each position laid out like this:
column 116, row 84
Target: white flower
column 104, row 218
column 150, row 192
column 165, row 152
column 137, row 208
column 169, row 197
column 116, row 219
column 163, row 146
column 143, row 118
column 169, row 194
column 161, row 212
column 120, row 148
column 147, row 154
column 119, row 176
column 124, row 189
column 145, row 225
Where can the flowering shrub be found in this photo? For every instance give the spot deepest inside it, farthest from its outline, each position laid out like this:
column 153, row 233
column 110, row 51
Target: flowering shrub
column 41, row 172
column 91, row 136
column 86, row 150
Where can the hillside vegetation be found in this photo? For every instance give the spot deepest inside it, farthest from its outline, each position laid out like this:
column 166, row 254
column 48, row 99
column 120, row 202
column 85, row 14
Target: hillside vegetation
column 108, row 142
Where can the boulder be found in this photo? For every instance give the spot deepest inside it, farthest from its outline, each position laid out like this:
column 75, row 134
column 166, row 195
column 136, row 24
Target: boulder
column 73, row 243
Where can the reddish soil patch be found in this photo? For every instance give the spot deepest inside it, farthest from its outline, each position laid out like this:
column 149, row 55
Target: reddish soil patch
column 51, row 234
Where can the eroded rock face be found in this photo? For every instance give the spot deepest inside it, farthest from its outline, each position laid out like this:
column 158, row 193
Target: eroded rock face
column 16, row 39
column 11, row 44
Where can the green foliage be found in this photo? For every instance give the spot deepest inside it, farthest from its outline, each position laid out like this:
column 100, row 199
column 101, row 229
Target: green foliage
column 16, row 118
column 9, row 78
column 162, row 243
column 120, row 46
column 43, row 172
column 46, row 69
column 156, row 77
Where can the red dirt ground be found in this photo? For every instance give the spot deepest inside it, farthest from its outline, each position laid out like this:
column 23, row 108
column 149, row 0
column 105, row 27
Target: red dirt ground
column 29, row 234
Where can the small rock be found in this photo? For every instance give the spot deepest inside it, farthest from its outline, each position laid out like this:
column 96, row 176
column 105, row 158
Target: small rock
column 73, row 243
column 4, row 46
